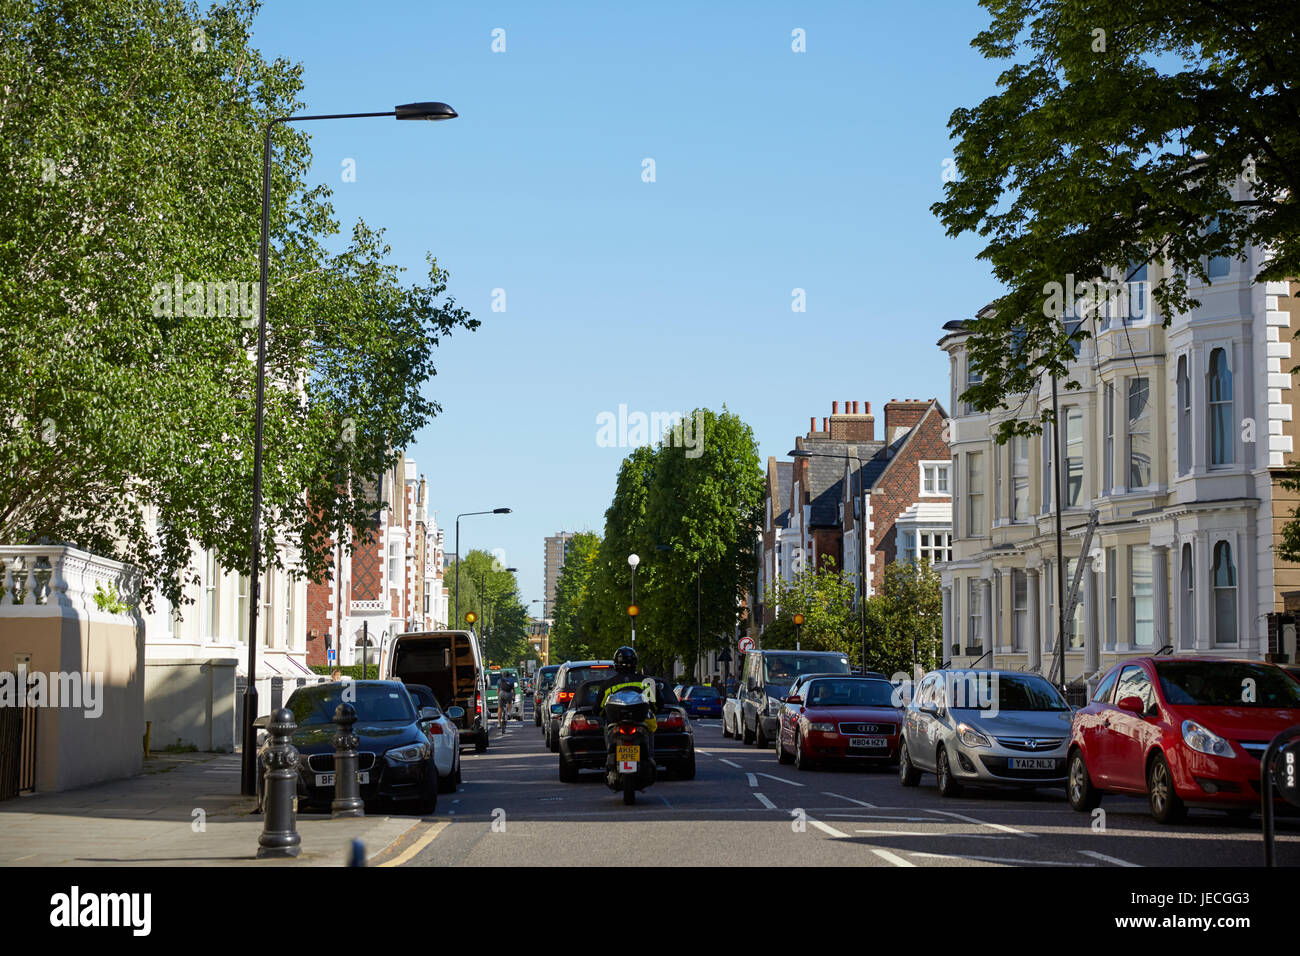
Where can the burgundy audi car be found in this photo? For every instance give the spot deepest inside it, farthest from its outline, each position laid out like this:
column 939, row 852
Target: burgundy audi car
column 839, row 718
column 1180, row 731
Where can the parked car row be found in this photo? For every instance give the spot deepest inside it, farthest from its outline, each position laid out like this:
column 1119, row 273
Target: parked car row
column 580, row 736
column 1179, row 731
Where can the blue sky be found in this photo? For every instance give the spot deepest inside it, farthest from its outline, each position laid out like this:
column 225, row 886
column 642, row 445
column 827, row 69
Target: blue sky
column 774, row 170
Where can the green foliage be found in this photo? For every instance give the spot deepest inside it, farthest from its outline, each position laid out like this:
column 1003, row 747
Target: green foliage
column 109, row 600
column 691, row 515
column 573, row 613
column 908, row 610
column 1100, row 151
column 132, row 136
column 824, row 596
column 352, row 670
column 492, row 593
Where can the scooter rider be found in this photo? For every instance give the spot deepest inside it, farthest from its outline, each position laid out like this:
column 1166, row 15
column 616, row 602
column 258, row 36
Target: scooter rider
column 627, row 677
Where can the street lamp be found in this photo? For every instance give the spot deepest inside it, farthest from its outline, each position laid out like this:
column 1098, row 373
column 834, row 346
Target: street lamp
column 466, row 514
column 798, row 632
column 633, row 560
column 409, row 111
column 860, row 525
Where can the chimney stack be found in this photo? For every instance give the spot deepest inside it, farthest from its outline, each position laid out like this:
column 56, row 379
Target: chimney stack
column 901, row 417
column 835, row 408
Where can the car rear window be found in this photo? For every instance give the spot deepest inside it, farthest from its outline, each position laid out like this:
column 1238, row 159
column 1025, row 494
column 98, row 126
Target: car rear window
column 376, row 703
column 1226, row 684
column 784, row 668
column 577, row 676
column 703, row 692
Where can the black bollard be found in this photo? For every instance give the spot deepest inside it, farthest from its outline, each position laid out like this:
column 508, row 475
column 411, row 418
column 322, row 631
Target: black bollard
column 347, row 789
column 279, row 826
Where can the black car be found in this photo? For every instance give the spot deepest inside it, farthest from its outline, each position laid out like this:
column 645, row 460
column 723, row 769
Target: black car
column 581, row 737
column 395, row 760
column 542, row 685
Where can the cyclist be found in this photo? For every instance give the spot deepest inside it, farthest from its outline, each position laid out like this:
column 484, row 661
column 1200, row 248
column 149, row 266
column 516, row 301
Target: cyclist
column 505, row 700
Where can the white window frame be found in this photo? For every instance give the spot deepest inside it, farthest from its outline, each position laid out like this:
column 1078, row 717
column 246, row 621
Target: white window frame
column 1235, row 588
column 938, row 465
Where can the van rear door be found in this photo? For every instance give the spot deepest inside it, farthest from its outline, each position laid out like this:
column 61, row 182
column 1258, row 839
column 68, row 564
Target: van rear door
column 444, row 661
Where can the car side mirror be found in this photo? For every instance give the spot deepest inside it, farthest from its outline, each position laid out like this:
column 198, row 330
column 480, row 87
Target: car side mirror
column 428, row 713
column 1133, row 704
column 929, row 707
column 455, row 713
column 557, row 709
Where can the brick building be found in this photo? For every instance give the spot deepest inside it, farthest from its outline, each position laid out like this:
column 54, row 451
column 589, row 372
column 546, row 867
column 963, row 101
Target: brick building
column 855, row 498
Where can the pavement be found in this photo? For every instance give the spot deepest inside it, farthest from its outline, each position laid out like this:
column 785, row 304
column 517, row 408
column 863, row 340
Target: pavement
column 181, row 810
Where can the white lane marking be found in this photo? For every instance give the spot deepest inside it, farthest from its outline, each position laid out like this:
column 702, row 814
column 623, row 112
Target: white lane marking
column 995, row 826
column 893, row 858
column 861, row 803
column 764, row 801
column 879, row 816
column 793, row 783
column 930, row 833
column 753, row 781
column 895, row 832
column 828, row 829
column 1108, row 859
column 730, row 763
column 999, row 859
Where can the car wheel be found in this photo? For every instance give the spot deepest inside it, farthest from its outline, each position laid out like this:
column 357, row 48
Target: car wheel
column 746, row 735
column 908, row 775
column 458, row 778
column 1078, row 785
column 948, row 787
column 537, row 717
column 447, row 784
column 686, row 769
column 726, row 727
column 801, row 760
column 555, row 743
column 760, row 738
column 568, row 772
column 781, row 755
column 481, row 743
column 1166, row 805
column 429, row 802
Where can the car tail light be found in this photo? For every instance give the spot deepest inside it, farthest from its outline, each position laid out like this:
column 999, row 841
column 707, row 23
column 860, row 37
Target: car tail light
column 435, row 728
column 564, row 696
column 478, row 702
column 673, row 722
column 583, row 723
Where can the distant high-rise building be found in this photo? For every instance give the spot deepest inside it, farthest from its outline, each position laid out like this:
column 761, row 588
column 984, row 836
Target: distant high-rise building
column 557, row 552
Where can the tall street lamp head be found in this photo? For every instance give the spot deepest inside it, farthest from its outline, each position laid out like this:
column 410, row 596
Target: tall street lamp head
column 511, row 570
column 425, row 111
column 799, row 453
column 501, row 511
column 633, row 560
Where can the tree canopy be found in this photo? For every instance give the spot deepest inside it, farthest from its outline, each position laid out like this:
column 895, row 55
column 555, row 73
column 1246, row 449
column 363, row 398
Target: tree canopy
column 129, row 237
column 1115, row 138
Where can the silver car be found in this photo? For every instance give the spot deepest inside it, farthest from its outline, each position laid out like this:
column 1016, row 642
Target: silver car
column 993, row 728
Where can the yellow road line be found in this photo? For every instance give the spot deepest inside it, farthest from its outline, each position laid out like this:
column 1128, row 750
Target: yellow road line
column 410, row 852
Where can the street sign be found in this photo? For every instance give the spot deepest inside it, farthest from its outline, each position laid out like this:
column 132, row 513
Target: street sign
column 746, row 644
column 332, row 655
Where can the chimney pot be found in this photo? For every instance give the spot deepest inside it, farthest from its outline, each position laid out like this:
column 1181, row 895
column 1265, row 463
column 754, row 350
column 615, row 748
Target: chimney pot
column 868, row 408
column 825, row 426
column 812, row 423
column 835, row 408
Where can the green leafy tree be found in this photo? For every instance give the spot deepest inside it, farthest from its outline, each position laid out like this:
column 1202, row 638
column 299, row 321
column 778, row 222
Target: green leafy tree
column 572, row 634
column 132, row 136
column 1116, row 132
column 904, row 620
column 824, row 596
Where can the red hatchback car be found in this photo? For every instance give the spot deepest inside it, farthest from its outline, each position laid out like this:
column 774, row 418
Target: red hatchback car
column 840, row 718
column 1179, row 730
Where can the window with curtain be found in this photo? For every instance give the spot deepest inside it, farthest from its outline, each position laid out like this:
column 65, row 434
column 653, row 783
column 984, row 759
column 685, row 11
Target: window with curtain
column 975, row 610
column 1225, row 595
column 1188, row 590
column 1139, row 433
column 1220, row 410
column 1135, row 297
column 1019, row 608
column 1075, row 623
column 1112, row 597
column 1184, row 417
column 1048, row 459
column 1019, row 478
column 242, row 623
column 1218, row 266
column 975, row 494
column 1108, row 431
column 211, row 597
column 972, row 378
column 1141, row 595
column 1073, row 455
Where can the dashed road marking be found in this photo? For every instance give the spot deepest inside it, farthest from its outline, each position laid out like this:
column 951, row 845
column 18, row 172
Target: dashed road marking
column 893, row 858
column 793, row 783
column 840, row 796
column 1107, row 859
column 753, row 781
column 995, row 826
column 998, row 859
column 730, row 763
column 764, row 801
column 828, row 829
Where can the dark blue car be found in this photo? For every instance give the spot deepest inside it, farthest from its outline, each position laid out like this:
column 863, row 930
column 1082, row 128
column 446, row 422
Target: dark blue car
column 702, row 700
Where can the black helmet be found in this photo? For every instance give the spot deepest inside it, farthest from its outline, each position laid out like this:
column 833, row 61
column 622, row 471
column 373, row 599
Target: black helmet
column 625, row 660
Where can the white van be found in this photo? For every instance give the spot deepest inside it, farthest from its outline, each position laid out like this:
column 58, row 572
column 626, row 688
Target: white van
column 451, row 664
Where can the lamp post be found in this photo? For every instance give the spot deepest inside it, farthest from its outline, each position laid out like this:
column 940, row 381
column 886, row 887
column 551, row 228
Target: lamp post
column 798, row 632
column 632, row 610
column 466, row 514
column 409, row 111
column 860, row 525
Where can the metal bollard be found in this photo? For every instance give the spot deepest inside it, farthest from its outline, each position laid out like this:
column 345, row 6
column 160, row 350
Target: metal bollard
column 347, row 789
column 280, row 836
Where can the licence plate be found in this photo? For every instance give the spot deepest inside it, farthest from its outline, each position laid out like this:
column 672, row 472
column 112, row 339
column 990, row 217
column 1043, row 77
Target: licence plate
column 1031, row 763
column 872, row 743
column 628, row 753
column 327, row 779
